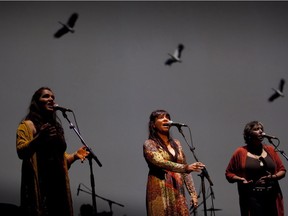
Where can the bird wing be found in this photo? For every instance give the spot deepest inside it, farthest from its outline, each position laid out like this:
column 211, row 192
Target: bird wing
column 180, row 49
column 281, row 85
column 273, row 97
column 72, row 20
column 169, row 61
column 176, row 54
column 61, row 32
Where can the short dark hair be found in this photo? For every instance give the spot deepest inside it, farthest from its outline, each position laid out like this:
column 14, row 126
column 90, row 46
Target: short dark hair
column 248, row 130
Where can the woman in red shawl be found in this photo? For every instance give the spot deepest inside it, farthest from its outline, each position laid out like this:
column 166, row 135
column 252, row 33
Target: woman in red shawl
column 256, row 167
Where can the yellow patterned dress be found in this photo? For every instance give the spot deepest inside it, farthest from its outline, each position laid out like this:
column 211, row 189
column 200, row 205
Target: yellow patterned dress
column 165, row 194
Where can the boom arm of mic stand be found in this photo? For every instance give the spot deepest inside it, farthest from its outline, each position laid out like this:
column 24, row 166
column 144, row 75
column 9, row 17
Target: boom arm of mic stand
column 82, row 140
column 204, row 170
column 276, row 147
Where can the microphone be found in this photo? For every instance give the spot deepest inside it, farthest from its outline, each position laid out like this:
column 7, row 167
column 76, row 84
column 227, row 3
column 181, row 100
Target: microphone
column 177, row 124
column 269, row 136
column 78, row 189
column 63, row 109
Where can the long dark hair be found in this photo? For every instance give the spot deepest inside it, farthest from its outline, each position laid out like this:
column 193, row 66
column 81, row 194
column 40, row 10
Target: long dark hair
column 37, row 115
column 153, row 133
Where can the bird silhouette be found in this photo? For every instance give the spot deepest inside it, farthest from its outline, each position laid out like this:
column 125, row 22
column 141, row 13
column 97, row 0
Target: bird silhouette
column 68, row 27
column 277, row 92
column 176, row 57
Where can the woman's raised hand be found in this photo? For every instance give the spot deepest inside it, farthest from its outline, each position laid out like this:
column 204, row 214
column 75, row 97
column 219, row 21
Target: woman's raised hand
column 196, row 167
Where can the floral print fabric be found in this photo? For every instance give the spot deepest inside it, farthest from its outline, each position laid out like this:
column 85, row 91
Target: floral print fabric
column 165, row 193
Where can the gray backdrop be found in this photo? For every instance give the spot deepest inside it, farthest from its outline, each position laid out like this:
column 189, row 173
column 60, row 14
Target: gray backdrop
column 111, row 72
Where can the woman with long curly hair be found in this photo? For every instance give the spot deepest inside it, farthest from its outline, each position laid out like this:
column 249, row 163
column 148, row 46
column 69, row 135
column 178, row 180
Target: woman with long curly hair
column 168, row 170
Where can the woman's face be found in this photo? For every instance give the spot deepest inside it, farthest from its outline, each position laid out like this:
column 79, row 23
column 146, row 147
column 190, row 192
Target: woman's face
column 160, row 123
column 257, row 132
column 46, row 100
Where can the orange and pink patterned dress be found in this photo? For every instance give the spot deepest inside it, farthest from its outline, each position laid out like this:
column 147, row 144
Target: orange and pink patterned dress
column 167, row 178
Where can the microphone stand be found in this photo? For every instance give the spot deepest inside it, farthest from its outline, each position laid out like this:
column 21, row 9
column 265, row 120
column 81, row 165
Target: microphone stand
column 276, row 147
column 194, row 210
column 212, row 202
column 110, row 202
column 90, row 156
column 203, row 174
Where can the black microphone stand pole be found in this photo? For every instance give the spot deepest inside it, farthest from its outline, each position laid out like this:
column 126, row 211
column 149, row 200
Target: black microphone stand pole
column 92, row 185
column 276, row 147
column 90, row 156
column 203, row 174
column 212, row 198
column 194, row 210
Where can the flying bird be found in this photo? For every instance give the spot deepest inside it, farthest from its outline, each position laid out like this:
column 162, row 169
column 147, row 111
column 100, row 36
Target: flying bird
column 277, row 92
column 67, row 27
column 176, row 57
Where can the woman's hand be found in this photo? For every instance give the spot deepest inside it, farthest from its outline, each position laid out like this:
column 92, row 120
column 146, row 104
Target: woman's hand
column 195, row 167
column 81, row 154
column 242, row 180
column 265, row 179
column 246, row 181
column 47, row 130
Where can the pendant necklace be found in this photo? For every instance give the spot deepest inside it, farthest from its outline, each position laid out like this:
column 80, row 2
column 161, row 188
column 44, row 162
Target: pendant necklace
column 259, row 158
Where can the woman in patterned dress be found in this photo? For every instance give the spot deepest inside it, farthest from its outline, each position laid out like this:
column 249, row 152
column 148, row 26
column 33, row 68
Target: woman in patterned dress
column 168, row 170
